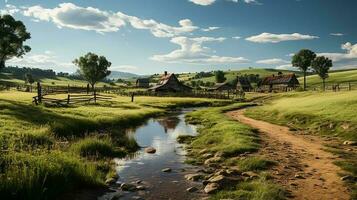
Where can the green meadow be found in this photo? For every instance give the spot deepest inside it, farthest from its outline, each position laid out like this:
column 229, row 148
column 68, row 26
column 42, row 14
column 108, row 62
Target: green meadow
column 46, row 151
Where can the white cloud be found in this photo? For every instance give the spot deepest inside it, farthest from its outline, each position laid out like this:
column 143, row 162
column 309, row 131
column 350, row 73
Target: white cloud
column 273, row 61
column 236, row 37
column 286, row 67
column 69, row 15
column 275, row 38
column 351, row 53
column 337, row 34
column 203, row 2
column 192, row 51
column 210, row 2
column 9, row 10
column 211, row 28
column 46, row 60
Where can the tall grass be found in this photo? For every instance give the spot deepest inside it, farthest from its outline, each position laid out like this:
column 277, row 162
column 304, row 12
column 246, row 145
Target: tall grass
column 46, row 151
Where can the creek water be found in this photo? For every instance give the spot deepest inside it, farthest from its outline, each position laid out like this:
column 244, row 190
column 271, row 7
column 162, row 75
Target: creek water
column 160, row 133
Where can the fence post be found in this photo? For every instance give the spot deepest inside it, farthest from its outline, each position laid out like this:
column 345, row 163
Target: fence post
column 95, row 96
column 349, row 86
column 39, row 92
column 68, row 89
column 87, row 88
column 132, row 97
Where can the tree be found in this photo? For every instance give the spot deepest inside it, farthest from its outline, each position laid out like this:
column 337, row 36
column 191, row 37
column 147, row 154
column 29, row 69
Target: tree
column 220, row 76
column 321, row 66
column 303, row 60
column 13, row 34
column 29, row 79
column 93, row 68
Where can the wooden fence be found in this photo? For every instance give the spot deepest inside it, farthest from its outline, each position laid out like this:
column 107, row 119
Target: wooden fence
column 80, row 96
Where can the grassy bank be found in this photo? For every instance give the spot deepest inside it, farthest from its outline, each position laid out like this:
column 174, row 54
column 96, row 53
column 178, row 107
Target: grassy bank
column 327, row 114
column 224, row 136
column 46, row 151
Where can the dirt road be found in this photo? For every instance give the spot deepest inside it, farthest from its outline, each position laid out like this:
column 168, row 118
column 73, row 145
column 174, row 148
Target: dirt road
column 303, row 167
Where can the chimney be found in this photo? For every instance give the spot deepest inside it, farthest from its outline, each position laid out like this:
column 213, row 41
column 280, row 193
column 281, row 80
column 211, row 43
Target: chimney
column 165, row 73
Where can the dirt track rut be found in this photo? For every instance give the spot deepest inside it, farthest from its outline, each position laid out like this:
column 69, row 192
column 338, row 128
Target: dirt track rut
column 304, row 168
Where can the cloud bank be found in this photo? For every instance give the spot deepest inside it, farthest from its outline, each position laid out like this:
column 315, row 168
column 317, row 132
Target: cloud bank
column 276, row 38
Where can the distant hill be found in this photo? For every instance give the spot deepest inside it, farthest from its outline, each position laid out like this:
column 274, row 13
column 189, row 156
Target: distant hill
column 122, row 75
column 232, row 74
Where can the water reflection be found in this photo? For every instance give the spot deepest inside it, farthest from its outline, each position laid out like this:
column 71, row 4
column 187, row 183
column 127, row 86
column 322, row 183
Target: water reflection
column 161, row 134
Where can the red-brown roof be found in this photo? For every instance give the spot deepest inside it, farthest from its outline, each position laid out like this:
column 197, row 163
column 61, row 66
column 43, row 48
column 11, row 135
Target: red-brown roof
column 279, row 79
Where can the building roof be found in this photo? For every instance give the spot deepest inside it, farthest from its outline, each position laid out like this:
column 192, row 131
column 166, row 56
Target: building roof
column 243, row 81
column 279, row 79
column 164, row 80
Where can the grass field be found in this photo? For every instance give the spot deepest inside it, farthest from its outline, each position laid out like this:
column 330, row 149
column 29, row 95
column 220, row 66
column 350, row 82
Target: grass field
column 223, row 135
column 334, row 77
column 326, row 113
column 58, row 81
column 46, row 151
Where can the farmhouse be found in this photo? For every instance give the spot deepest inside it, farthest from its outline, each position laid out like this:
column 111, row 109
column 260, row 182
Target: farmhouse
column 142, row 82
column 222, row 87
column 243, row 84
column 281, row 82
column 170, row 83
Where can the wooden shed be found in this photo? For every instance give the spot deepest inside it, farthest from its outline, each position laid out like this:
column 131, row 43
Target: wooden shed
column 222, row 87
column 142, row 82
column 170, row 83
column 280, row 82
column 243, row 84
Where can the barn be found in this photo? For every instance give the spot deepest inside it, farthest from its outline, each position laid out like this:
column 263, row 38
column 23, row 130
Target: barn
column 243, row 84
column 280, row 82
column 170, row 83
column 222, row 87
column 142, row 82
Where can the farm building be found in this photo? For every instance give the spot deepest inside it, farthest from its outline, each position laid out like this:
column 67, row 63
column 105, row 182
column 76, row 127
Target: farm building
column 170, row 83
column 243, row 84
column 142, row 82
column 222, row 87
column 280, row 82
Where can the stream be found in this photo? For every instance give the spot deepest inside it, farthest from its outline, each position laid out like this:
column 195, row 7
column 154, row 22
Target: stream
column 145, row 169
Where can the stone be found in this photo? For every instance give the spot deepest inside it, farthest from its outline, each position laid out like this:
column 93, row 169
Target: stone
column 299, row 176
column 138, row 181
column 203, row 151
column 140, row 187
column 193, row 177
column 347, row 178
column 191, row 189
column 110, row 181
column 224, row 180
column 211, row 188
column 350, row 142
column 207, row 155
column 128, row 187
column 166, row 170
column 212, row 160
column 250, row 174
column 150, row 150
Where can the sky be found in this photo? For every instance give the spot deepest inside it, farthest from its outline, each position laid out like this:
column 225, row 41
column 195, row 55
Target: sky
column 152, row 36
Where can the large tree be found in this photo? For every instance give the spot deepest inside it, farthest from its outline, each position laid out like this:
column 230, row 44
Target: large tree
column 303, row 60
column 93, row 68
column 321, row 66
column 13, row 34
column 219, row 75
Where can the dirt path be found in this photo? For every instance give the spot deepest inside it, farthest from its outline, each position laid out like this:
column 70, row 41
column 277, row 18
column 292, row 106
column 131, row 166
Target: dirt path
column 303, row 167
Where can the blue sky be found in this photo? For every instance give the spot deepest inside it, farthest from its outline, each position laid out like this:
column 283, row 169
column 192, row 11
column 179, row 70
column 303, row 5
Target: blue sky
column 150, row 36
